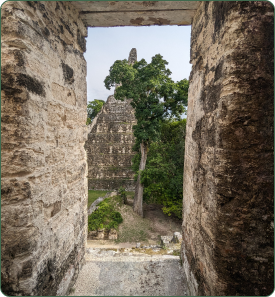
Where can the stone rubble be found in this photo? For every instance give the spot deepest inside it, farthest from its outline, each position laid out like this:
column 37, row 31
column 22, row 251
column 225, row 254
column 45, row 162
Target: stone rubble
column 177, row 237
column 170, row 241
column 112, row 234
column 166, row 240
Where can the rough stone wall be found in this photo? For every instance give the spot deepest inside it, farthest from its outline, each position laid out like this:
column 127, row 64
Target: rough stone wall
column 132, row 56
column 109, row 146
column 136, row 13
column 44, row 189
column 228, row 175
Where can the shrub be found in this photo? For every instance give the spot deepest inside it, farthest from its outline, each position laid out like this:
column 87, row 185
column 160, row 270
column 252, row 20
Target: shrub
column 104, row 217
column 122, row 194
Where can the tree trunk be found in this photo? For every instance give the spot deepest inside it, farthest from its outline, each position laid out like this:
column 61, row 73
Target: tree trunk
column 139, row 187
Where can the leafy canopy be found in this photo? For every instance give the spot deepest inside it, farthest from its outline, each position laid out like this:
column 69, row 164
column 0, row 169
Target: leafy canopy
column 155, row 96
column 93, row 108
column 163, row 176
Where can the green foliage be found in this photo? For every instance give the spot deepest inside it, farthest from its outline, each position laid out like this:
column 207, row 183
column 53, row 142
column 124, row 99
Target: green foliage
column 158, row 102
column 122, row 194
column 121, row 191
column 88, row 122
column 93, row 108
column 155, row 96
column 163, row 175
column 104, row 217
column 94, row 194
column 130, row 194
column 176, row 253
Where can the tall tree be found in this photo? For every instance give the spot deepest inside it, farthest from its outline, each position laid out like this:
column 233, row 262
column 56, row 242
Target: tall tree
column 93, row 108
column 155, row 96
column 162, row 177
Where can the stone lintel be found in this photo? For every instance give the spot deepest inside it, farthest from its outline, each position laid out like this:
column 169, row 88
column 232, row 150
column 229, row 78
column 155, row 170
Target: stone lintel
column 136, row 13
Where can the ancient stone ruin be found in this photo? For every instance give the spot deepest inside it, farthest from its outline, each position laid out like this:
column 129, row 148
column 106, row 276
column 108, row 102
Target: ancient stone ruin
column 109, row 147
column 228, row 176
column 109, row 144
column 44, row 168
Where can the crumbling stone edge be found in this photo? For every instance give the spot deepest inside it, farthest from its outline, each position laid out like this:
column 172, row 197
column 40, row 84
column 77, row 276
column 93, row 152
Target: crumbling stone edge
column 94, row 206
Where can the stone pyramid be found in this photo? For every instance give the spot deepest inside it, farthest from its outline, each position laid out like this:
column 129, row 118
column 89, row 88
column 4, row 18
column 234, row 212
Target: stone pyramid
column 109, row 144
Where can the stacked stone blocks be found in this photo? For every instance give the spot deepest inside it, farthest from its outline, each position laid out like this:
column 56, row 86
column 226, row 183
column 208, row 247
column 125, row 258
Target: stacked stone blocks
column 43, row 113
column 228, row 169
column 109, row 147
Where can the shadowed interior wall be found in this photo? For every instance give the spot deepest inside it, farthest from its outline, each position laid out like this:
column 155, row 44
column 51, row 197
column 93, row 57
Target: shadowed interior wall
column 228, row 174
column 44, row 185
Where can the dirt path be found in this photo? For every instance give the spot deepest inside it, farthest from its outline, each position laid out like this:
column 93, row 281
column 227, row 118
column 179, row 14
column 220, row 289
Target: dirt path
column 146, row 230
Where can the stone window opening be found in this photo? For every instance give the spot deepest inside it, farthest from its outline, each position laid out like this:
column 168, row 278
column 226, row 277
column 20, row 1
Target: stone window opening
column 228, row 183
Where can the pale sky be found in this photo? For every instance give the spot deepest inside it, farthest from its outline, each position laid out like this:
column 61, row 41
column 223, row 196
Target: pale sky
column 106, row 45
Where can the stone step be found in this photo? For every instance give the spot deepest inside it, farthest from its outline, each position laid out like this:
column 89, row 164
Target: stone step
column 109, row 272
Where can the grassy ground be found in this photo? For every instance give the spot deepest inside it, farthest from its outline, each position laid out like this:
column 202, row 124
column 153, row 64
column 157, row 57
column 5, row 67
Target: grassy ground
column 145, row 230
column 134, row 228
column 130, row 194
column 94, row 194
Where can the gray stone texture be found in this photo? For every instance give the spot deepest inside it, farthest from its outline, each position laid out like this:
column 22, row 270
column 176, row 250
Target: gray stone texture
column 132, row 56
column 165, row 240
column 136, row 13
column 227, row 246
column 228, row 175
column 177, row 237
column 110, row 273
column 109, row 146
column 43, row 161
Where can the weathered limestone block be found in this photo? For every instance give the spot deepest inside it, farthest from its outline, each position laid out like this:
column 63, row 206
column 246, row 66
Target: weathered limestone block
column 92, row 234
column 228, row 175
column 110, row 142
column 171, row 241
column 177, row 237
column 43, row 113
column 112, row 234
column 100, row 234
column 136, row 13
column 166, row 241
column 109, row 147
column 132, row 56
column 115, row 273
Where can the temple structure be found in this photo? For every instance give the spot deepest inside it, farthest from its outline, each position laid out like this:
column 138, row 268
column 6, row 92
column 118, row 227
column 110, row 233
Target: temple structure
column 110, row 142
column 228, row 198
